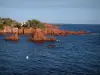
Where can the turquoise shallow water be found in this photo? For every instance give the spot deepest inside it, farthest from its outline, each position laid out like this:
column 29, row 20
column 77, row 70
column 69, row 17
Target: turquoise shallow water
column 73, row 54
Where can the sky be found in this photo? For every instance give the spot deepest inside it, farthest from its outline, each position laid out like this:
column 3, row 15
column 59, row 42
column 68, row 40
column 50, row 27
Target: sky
column 52, row 11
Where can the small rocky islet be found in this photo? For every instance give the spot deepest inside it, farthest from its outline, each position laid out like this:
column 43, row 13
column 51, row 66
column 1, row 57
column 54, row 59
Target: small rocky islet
column 35, row 28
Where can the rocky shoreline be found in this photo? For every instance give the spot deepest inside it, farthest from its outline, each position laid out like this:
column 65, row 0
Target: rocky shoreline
column 38, row 34
column 38, row 30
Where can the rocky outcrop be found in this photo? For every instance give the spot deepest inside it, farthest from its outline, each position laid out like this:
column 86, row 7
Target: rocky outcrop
column 51, row 39
column 14, row 37
column 7, row 29
column 76, row 32
column 15, row 30
column 40, row 36
column 55, row 31
column 27, row 30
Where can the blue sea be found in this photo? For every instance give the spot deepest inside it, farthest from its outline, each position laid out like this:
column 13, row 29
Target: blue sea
column 71, row 55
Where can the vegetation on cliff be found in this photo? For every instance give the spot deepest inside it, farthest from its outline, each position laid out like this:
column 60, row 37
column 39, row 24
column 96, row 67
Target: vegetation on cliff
column 35, row 24
column 13, row 23
column 8, row 22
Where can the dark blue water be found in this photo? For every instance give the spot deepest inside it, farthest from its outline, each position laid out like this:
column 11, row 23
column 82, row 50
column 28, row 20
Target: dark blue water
column 73, row 54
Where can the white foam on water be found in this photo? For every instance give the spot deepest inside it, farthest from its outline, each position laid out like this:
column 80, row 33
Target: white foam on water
column 95, row 34
column 57, row 40
column 27, row 57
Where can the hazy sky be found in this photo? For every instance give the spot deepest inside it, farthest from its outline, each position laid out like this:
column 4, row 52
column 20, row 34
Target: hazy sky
column 52, row 11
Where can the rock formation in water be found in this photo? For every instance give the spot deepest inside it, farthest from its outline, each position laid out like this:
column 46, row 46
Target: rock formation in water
column 14, row 37
column 10, row 26
column 40, row 36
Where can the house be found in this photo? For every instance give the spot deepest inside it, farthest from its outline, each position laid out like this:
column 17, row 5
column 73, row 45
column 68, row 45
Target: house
column 22, row 23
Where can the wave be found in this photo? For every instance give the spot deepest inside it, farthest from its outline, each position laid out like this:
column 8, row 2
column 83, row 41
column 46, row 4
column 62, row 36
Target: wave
column 95, row 34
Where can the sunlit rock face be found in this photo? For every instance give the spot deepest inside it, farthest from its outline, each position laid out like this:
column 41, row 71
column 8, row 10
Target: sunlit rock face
column 27, row 30
column 60, row 32
column 20, row 31
column 15, row 30
column 7, row 29
column 33, row 30
column 55, row 31
column 38, row 35
column 14, row 37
